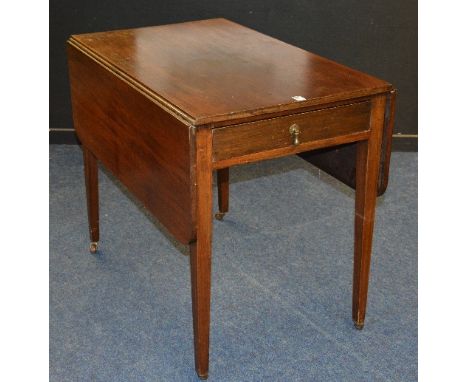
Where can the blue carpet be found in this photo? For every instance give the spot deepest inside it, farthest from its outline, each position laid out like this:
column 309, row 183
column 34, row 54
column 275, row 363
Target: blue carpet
column 282, row 276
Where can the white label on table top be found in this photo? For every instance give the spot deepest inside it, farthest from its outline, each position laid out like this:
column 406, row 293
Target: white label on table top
column 298, row 98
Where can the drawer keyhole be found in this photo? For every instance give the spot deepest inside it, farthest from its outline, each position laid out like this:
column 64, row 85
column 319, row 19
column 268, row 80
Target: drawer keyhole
column 294, row 131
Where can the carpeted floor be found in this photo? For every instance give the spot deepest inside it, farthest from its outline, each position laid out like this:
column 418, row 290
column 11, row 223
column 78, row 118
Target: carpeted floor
column 281, row 286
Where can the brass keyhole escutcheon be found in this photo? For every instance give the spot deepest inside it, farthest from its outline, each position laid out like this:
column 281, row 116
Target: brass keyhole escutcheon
column 294, row 131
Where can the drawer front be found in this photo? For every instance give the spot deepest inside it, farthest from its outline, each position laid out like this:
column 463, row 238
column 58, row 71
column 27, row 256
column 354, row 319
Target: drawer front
column 293, row 131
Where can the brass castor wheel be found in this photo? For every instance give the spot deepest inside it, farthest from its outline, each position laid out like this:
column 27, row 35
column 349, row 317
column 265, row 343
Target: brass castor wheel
column 358, row 326
column 219, row 215
column 93, row 247
column 203, row 377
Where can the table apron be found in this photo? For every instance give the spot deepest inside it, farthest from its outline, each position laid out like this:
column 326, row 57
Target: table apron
column 292, row 134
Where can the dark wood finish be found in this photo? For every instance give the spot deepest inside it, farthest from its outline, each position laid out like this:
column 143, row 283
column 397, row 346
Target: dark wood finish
column 146, row 148
column 273, row 134
column 367, row 173
column 340, row 161
column 200, row 252
column 216, row 70
column 222, row 180
column 387, row 140
column 162, row 107
column 92, row 196
column 276, row 153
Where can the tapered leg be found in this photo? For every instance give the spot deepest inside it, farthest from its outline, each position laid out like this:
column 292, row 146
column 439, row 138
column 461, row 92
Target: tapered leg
column 92, row 196
column 200, row 253
column 367, row 172
column 223, row 192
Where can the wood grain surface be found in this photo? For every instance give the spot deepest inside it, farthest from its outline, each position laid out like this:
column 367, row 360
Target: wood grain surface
column 216, row 70
column 147, row 149
column 200, row 251
column 270, row 134
column 367, row 172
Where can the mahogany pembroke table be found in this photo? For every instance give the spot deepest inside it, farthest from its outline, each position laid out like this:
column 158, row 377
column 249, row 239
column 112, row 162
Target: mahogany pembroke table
column 163, row 107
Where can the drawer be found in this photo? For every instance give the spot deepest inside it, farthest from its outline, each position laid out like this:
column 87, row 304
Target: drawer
column 291, row 133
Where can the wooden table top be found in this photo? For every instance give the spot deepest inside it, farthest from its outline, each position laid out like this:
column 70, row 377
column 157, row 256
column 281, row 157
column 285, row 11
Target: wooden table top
column 216, row 70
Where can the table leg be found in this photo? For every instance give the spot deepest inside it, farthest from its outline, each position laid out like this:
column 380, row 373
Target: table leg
column 200, row 253
column 223, row 192
column 367, row 172
column 92, row 196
